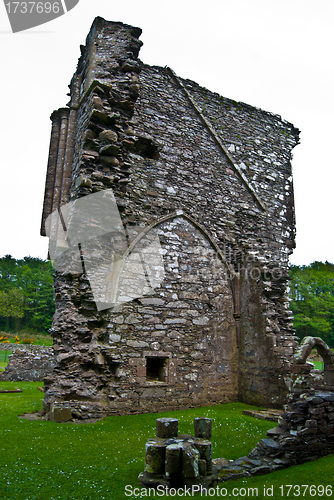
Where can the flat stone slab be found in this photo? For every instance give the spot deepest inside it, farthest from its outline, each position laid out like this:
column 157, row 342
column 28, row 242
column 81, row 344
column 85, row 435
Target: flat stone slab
column 31, row 416
column 271, row 415
column 11, row 392
column 276, row 431
column 219, row 462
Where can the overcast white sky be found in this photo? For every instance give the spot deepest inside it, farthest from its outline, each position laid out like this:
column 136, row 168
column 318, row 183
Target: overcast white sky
column 273, row 54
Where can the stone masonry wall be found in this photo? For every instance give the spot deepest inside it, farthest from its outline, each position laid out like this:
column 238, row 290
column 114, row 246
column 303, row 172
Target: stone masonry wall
column 211, row 178
column 306, row 426
column 305, row 432
column 28, row 362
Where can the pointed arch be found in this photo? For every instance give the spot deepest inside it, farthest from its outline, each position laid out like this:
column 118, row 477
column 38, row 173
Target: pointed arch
column 194, row 222
column 304, row 350
column 306, row 346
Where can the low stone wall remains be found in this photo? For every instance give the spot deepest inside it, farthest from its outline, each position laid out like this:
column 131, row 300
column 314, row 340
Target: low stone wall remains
column 305, row 432
column 28, row 362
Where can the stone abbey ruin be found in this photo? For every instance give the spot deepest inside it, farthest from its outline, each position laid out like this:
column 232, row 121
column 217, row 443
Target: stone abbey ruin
column 193, row 276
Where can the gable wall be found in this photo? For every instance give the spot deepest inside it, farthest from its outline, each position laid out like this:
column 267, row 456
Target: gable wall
column 166, row 159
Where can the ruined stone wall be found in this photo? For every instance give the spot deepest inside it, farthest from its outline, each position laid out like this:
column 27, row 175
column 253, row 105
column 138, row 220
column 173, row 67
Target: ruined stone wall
column 305, row 432
column 211, row 179
column 306, row 426
column 28, row 362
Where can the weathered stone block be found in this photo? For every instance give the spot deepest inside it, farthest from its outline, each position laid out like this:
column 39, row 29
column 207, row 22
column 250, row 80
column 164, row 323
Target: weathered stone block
column 202, row 467
column 311, row 423
column 173, row 460
column 155, row 458
column 108, row 136
column 190, row 457
column 60, row 414
column 166, row 427
column 269, row 446
column 205, row 449
column 203, row 427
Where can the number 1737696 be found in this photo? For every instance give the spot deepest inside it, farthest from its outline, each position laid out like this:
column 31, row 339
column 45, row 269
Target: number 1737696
column 33, row 7
column 295, row 490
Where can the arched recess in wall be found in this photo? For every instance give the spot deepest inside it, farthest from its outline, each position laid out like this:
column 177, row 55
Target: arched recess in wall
column 200, row 253
column 233, row 277
column 192, row 221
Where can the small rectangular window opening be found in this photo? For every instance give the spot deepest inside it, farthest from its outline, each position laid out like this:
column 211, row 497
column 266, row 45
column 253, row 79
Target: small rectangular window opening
column 156, row 369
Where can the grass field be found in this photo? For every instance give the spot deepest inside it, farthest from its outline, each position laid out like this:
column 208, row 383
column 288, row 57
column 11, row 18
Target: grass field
column 48, row 461
column 38, row 338
column 4, row 359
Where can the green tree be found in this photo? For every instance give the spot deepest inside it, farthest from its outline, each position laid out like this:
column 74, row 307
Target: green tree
column 34, row 278
column 8, row 272
column 312, row 300
column 36, row 283
column 12, row 304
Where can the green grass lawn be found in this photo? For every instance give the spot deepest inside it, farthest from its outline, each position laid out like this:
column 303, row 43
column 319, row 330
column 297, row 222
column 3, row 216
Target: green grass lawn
column 48, row 461
column 38, row 338
column 4, row 355
column 318, row 365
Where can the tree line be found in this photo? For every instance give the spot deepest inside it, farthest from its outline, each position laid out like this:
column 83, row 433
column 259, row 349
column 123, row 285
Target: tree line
column 26, row 297
column 312, row 300
column 26, row 294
